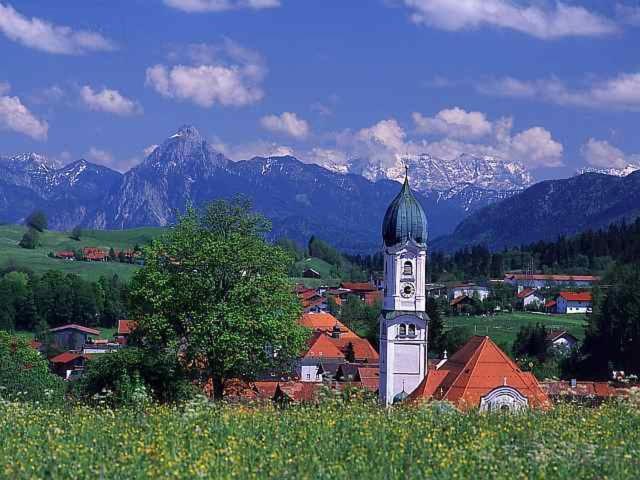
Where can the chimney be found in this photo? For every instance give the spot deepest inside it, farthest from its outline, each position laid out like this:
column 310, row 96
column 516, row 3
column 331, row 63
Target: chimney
column 335, row 333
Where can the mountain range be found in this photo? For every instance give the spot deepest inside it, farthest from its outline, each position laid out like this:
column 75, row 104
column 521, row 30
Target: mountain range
column 548, row 210
column 300, row 199
column 470, row 180
column 469, row 200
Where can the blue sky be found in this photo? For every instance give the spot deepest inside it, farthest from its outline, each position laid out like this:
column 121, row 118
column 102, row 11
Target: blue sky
column 555, row 85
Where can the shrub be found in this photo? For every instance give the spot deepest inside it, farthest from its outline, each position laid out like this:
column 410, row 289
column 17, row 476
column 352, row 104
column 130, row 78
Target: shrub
column 25, row 375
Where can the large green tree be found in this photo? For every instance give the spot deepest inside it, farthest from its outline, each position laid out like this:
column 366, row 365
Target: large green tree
column 613, row 335
column 213, row 287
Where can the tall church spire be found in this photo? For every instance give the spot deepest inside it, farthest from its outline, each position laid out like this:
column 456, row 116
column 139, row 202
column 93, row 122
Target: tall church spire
column 403, row 323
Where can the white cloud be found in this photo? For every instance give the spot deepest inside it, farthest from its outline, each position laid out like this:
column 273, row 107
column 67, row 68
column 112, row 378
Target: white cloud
column 454, row 122
column 601, row 154
column 287, row 123
column 149, row 150
column 100, row 156
column 386, row 133
column 536, row 148
column 246, row 151
column 621, row 92
column 228, row 74
column 42, row 35
column 197, row 6
column 16, row 117
column 528, row 17
column 4, row 88
column 110, row 101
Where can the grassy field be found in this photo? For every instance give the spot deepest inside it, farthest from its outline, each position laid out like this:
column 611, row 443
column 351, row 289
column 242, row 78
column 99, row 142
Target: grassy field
column 504, row 327
column 328, row 442
column 38, row 261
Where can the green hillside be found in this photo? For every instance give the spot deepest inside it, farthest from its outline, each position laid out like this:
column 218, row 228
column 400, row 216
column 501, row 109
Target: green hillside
column 38, row 260
column 504, row 327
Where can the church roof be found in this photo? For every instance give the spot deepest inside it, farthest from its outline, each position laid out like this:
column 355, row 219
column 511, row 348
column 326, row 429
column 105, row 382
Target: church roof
column 479, row 367
column 404, row 220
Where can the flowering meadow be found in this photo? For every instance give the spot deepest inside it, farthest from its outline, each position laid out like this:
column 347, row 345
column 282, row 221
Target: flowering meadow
column 332, row 441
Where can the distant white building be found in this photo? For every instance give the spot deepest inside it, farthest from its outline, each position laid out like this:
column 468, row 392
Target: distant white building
column 561, row 339
column 523, row 280
column 530, row 297
column 468, row 289
column 572, row 302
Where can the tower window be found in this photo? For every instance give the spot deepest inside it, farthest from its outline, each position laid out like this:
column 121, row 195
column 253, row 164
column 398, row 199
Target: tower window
column 412, row 330
column 402, row 330
column 408, row 268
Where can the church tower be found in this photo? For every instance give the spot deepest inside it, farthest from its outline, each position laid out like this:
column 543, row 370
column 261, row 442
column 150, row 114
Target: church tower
column 403, row 322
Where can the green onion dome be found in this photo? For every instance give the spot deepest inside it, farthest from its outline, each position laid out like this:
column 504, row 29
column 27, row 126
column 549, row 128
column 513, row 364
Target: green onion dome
column 404, row 220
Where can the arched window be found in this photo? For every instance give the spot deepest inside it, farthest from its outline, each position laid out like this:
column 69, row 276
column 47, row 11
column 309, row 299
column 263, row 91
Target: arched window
column 412, row 330
column 408, row 268
column 402, row 331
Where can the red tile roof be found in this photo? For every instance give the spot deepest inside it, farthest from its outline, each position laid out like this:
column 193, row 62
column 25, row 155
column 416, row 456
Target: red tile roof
column 525, row 293
column 595, row 389
column 324, row 322
column 576, row 296
column 73, row 326
column 553, row 335
column 459, row 299
column 67, row 357
column 299, row 391
column 126, row 326
column 359, row 286
column 35, row 344
column 362, row 349
column 550, row 304
column 474, row 371
column 321, row 346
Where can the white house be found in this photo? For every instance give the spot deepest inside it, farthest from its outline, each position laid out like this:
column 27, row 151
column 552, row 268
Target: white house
column 561, row 340
column 530, row 297
column 468, row 289
column 572, row 302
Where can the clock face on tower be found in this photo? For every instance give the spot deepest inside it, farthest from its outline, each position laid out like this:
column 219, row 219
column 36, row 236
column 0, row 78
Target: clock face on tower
column 407, row 290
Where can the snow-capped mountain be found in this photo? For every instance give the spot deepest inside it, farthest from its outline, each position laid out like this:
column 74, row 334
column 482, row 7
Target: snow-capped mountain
column 300, row 199
column 616, row 172
column 473, row 180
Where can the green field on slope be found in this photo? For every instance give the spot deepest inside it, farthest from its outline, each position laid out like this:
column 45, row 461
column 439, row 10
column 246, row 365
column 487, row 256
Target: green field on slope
column 38, row 260
column 503, row 327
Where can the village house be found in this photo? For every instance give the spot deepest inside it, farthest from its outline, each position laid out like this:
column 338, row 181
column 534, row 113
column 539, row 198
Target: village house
column 367, row 292
column 331, row 345
column 65, row 255
column 69, row 365
column 530, row 298
column 94, row 254
column 311, row 273
column 72, row 336
column 125, row 327
column 468, row 289
column 561, row 340
column 584, row 392
column 458, row 304
column 574, row 302
column 523, row 280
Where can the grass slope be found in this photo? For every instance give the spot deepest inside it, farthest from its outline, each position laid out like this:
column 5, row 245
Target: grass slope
column 504, row 327
column 225, row 442
column 38, row 261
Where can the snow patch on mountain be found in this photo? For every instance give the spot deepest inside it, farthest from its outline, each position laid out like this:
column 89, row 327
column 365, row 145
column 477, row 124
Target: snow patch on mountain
column 615, row 172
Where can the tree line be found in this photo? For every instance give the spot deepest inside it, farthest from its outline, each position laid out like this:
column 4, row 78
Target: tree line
column 37, row 302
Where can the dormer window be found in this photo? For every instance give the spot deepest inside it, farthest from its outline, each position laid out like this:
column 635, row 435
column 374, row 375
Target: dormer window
column 402, row 331
column 412, row 330
column 408, row 269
